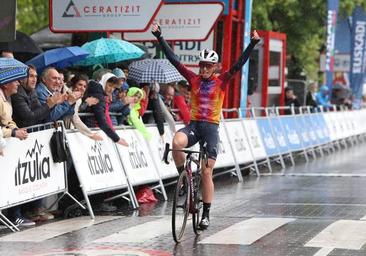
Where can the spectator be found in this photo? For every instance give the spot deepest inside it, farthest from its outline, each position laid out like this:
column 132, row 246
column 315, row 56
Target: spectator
column 10, row 129
column 6, row 54
column 151, row 102
column 119, row 104
column 2, row 143
column 28, row 110
column 79, row 84
column 311, row 95
column 291, row 101
column 184, row 89
column 103, row 91
column 49, row 86
column 174, row 100
column 322, row 97
column 135, row 96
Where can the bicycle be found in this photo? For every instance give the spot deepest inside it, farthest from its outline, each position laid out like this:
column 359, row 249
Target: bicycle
column 187, row 197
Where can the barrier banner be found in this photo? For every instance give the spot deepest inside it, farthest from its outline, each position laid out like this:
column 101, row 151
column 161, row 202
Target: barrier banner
column 269, row 141
column 157, row 146
column 332, row 126
column 290, row 130
column 303, row 131
column 279, row 135
column 136, row 158
column 225, row 157
column 311, row 125
column 323, row 127
column 239, row 141
column 254, row 139
column 96, row 163
column 358, row 52
column 28, row 171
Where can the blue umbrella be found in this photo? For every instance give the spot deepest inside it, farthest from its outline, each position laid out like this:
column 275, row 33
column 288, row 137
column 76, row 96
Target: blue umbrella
column 109, row 50
column 58, row 58
column 12, row 70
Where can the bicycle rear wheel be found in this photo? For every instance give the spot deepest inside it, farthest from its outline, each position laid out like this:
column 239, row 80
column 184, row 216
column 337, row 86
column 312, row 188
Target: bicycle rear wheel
column 197, row 202
column 180, row 210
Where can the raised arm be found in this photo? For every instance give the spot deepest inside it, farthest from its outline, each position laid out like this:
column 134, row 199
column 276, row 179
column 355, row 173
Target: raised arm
column 245, row 55
column 156, row 31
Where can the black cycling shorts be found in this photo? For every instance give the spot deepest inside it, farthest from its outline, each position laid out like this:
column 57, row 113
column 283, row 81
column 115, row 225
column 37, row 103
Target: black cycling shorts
column 205, row 133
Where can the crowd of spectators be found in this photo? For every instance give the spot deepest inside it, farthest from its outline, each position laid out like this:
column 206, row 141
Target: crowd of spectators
column 105, row 101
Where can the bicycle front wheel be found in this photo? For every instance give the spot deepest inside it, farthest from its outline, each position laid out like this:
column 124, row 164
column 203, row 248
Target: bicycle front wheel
column 197, row 202
column 180, row 210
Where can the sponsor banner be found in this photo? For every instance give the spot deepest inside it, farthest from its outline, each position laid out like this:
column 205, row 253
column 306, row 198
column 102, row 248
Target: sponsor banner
column 254, row 139
column 183, row 22
column 28, row 170
column 269, row 141
column 102, row 15
column 239, row 141
column 279, row 135
column 96, row 162
column 136, row 158
column 225, row 155
column 358, row 52
column 303, row 130
column 331, row 29
column 311, row 124
column 332, row 127
column 290, row 131
column 323, row 126
column 157, row 145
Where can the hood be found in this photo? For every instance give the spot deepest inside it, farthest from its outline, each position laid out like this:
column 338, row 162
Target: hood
column 94, row 88
column 105, row 78
column 133, row 90
column 324, row 89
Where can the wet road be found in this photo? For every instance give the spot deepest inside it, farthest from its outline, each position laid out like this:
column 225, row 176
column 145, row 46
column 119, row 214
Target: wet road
column 313, row 209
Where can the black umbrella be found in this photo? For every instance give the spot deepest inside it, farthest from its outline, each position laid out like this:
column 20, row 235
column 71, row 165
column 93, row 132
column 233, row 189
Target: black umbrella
column 22, row 44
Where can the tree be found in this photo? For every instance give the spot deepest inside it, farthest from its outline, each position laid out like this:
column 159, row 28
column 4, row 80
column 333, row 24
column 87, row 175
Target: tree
column 32, row 15
column 304, row 23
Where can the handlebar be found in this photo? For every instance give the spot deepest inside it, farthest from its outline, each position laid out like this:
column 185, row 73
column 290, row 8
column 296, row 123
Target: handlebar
column 187, row 151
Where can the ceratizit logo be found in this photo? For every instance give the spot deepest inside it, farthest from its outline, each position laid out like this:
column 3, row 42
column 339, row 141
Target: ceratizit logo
column 71, row 11
column 33, row 167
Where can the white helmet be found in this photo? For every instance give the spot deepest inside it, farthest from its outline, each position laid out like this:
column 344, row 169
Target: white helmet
column 209, row 56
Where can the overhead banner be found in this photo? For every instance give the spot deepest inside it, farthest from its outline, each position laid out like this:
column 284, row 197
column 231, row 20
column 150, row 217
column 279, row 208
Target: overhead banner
column 331, row 29
column 28, row 171
column 358, row 52
column 183, row 22
column 102, row 15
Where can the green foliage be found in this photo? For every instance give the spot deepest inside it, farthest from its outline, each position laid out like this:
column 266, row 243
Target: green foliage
column 304, row 23
column 32, row 15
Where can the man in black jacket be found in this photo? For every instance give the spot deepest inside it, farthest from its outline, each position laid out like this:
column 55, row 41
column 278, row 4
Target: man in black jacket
column 27, row 110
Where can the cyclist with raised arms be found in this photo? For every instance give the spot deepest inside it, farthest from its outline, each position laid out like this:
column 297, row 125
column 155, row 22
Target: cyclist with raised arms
column 207, row 96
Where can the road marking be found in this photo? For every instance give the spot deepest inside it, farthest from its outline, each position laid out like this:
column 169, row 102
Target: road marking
column 305, row 174
column 317, row 204
column 47, row 231
column 342, row 234
column 247, row 232
column 323, row 252
column 141, row 233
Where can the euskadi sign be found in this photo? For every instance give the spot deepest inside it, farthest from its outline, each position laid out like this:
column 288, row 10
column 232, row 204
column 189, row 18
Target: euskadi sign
column 183, row 22
column 102, row 15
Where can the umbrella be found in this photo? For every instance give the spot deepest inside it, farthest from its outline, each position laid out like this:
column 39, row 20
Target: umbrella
column 158, row 70
column 59, row 57
column 22, row 44
column 12, row 70
column 109, row 50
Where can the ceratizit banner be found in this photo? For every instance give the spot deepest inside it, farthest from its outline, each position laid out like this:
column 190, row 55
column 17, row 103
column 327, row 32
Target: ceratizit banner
column 102, row 15
column 183, row 22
